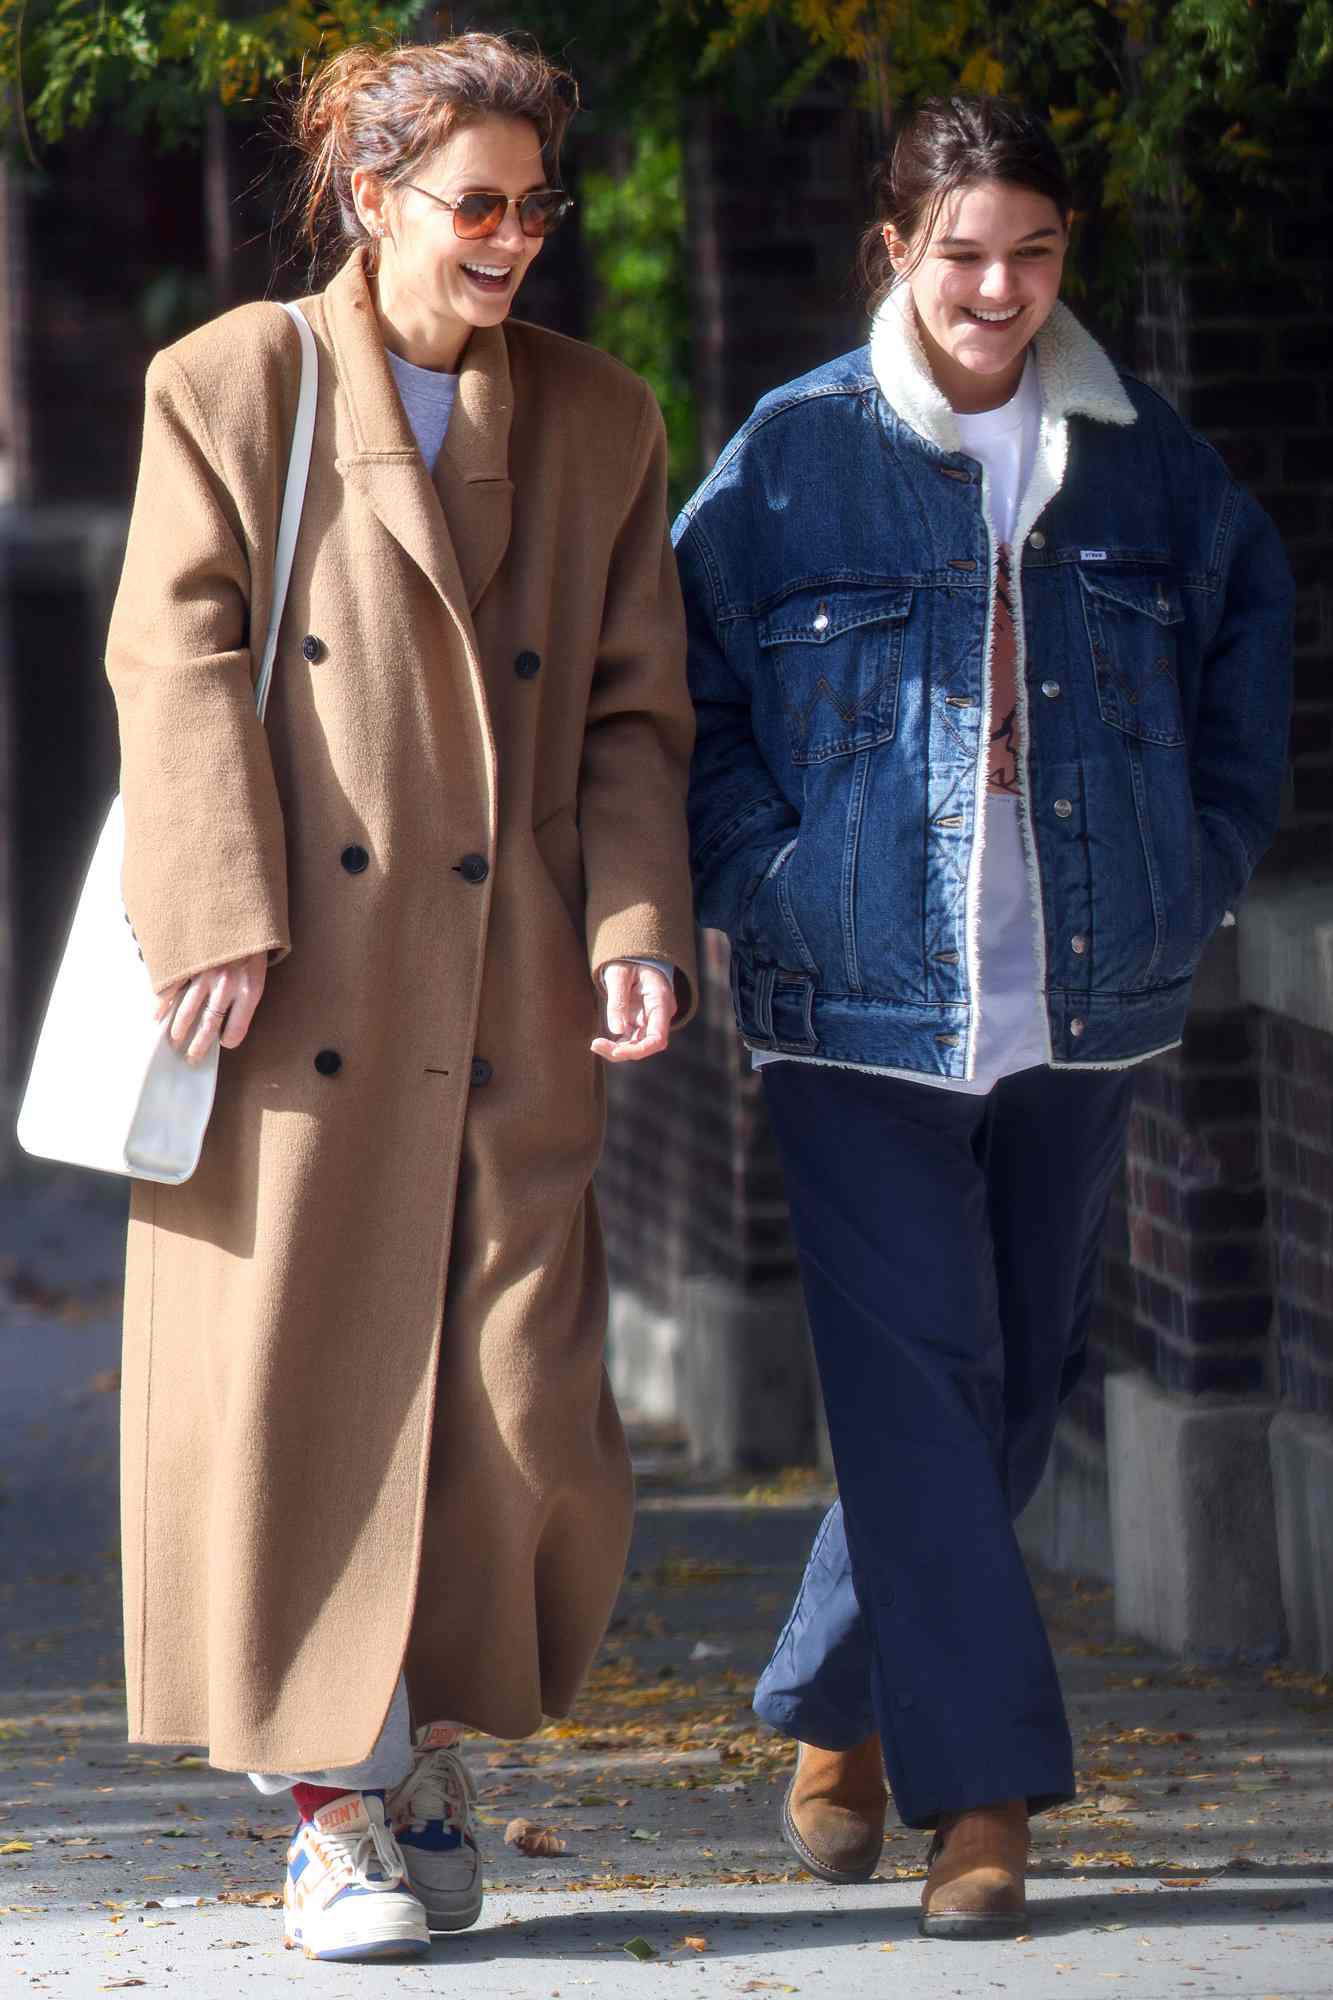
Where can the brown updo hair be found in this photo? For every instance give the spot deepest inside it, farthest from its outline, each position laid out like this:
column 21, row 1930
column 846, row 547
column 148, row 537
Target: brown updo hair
column 388, row 108
column 947, row 144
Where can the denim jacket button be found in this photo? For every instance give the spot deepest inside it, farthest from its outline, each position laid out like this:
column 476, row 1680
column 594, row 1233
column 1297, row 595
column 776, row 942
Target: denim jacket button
column 1078, row 944
column 1076, row 1027
column 1063, row 809
column 1050, row 689
column 1036, row 540
column 821, row 622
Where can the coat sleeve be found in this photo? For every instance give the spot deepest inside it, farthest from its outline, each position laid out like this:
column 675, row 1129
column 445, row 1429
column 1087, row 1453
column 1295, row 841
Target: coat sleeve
column 1239, row 752
column 636, row 749
column 205, row 864
column 740, row 819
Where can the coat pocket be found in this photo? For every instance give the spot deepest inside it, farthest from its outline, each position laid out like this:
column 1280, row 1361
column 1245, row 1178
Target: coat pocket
column 1133, row 626
column 837, row 657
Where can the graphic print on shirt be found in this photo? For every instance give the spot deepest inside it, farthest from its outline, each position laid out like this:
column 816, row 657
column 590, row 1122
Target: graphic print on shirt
column 1002, row 771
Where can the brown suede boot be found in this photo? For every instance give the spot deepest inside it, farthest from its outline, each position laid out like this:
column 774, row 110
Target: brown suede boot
column 977, row 1863
column 833, row 1814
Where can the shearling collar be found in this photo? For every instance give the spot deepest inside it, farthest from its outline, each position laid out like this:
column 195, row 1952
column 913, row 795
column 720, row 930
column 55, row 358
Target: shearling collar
column 1077, row 376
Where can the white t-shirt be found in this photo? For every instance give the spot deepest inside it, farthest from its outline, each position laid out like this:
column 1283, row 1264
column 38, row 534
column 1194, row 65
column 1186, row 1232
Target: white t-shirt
column 1011, row 1032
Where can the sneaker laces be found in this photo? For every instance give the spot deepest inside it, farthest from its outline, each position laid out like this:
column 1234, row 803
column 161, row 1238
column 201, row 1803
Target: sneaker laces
column 349, row 1855
column 441, row 1787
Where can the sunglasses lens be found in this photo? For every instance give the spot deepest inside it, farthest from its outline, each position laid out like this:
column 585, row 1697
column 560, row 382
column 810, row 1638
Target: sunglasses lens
column 479, row 214
column 539, row 214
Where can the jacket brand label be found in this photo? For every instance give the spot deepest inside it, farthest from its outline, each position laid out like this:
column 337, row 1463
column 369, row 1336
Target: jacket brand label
column 1092, row 555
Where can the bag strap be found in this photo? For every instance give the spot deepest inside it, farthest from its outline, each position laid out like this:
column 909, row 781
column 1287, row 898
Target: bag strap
column 293, row 500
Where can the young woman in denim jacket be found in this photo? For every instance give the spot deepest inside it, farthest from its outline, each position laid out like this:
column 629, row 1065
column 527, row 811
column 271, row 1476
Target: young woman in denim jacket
column 990, row 665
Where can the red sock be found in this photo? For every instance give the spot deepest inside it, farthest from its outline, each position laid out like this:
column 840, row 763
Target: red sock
column 311, row 1799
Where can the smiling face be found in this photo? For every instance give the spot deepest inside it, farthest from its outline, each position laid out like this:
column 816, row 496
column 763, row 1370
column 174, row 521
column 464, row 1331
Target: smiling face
column 982, row 284
column 434, row 286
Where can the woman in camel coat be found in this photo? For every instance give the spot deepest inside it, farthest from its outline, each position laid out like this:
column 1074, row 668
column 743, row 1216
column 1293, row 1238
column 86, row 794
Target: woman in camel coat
column 367, row 1427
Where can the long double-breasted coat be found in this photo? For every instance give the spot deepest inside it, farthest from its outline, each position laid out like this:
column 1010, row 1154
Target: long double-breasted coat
column 366, row 1423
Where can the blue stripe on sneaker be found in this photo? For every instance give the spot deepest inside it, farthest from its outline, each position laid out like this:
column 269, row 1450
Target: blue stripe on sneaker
column 296, row 1869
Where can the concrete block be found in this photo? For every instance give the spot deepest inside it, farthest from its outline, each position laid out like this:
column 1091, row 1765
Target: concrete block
column 642, row 1357
column 1285, row 930
column 1301, row 1449
column 1067, row 1523
column 744, row 1388
column 1193, row 1530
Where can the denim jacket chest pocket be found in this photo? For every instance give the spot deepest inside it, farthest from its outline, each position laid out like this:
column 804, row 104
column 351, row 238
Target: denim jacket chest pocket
column 1133, row 623
column 837, row 656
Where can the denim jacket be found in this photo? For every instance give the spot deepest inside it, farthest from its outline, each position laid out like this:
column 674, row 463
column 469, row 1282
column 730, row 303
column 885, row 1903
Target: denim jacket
column 840, row 573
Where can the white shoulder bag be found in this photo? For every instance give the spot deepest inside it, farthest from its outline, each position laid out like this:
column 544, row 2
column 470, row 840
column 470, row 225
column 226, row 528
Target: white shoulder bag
column 107, row 1089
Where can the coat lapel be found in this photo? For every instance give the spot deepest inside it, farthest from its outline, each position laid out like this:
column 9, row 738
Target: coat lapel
column 455, row 528
column 472, row 471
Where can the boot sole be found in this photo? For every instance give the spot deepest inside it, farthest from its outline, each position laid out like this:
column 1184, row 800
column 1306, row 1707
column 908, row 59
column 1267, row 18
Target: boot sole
column 961, row 1927
column 443, row 1921
column 840, row 1877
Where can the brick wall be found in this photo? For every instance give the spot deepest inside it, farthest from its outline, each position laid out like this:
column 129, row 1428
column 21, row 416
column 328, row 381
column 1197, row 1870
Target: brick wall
column 1186, row 1289
column 776, row 210
column 690, row 1184
column 1202, row 1238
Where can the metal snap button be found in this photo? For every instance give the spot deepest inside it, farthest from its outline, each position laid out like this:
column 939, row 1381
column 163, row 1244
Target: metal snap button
column 1036, row 540
column 821, row 620
column 1076, row 1027
column 1063, row 808
column 1050, row 689
column 1078, row 944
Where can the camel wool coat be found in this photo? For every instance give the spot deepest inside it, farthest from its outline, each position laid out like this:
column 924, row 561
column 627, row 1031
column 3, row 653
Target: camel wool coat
column 366, row 1422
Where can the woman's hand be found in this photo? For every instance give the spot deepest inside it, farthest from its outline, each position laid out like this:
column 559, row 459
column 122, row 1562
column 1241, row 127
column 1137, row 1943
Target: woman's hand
column 218, row 1004
column 640, row 1003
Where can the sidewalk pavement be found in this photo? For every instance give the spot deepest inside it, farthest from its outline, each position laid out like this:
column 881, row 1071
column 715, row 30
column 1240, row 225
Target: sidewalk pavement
column 1196, row 1860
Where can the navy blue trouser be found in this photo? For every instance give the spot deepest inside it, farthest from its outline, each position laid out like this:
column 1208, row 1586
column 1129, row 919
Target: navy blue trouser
column 948, row 1248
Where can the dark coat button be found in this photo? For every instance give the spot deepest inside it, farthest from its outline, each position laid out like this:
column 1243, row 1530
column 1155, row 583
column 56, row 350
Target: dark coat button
column 481, row 1071
column 527, row 666
column 474, row 868
column 312, row 647
column 355, row 860
column 328, row 1062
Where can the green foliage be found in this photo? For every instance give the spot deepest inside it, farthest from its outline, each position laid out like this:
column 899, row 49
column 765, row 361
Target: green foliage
column 160, row 63
column 1186, row 102
column 634, row 224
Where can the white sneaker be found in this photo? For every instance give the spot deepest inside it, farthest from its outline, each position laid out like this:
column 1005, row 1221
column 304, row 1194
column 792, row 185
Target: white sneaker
column 431, row 1814
column 347, row 1894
